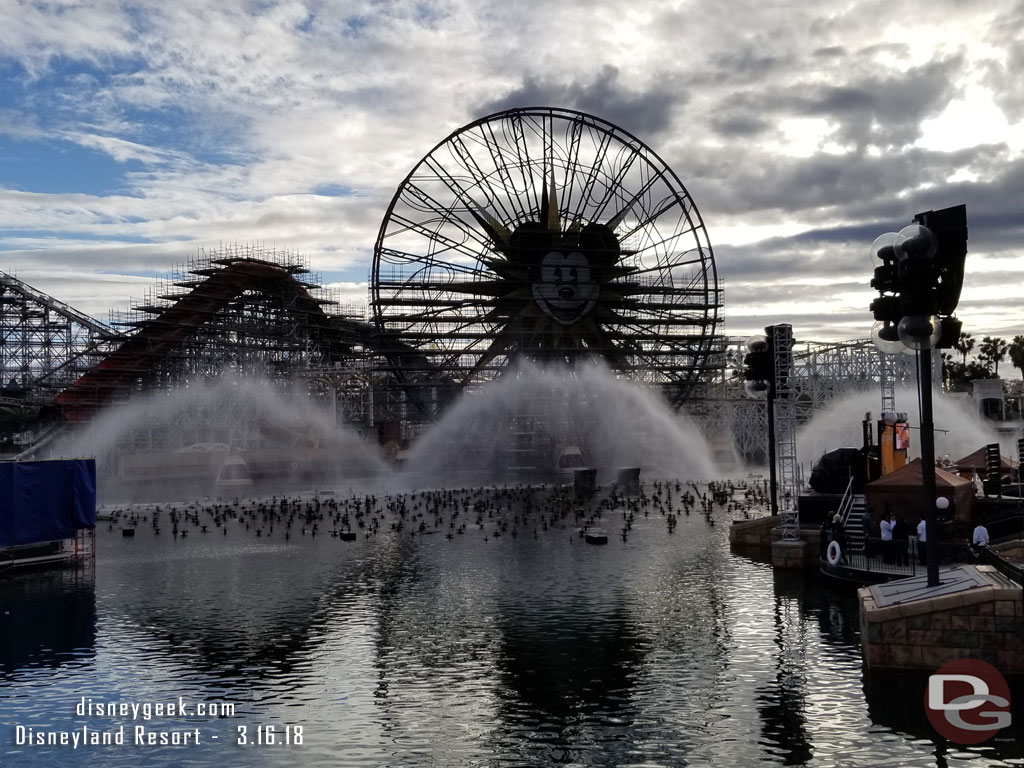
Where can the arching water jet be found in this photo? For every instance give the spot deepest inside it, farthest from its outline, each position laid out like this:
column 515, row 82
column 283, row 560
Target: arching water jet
column 210, row 438
column 958, row 431
column 516, row 428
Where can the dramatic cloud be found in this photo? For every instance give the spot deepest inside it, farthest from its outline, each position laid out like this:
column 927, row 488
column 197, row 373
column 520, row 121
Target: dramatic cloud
column 645, row 113
column 132, row 135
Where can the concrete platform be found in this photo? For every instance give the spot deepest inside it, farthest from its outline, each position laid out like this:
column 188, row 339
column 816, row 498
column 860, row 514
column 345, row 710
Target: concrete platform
column 974, row 612
column 761, row 536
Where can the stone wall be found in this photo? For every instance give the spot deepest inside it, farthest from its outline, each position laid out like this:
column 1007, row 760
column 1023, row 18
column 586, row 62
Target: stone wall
column 754, row 534
column 762, row 536
column 984, row 623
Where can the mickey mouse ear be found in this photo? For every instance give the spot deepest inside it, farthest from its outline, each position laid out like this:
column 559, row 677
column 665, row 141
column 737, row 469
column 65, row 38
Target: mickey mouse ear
column 527, row 239
column 600, row 243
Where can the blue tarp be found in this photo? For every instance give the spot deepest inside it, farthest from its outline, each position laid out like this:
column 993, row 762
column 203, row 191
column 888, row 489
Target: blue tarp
column 46, row 500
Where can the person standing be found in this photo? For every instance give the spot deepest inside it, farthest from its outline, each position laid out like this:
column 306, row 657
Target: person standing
column 886, row 529
column 901, row 541
column 922, row 537
column 980, row 536
column 839, row 534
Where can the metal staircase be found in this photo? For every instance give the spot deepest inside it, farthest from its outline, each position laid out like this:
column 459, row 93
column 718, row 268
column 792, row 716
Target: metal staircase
column 852, row 510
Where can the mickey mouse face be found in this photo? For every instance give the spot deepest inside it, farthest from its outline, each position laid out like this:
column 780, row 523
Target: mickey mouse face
column 565, row 292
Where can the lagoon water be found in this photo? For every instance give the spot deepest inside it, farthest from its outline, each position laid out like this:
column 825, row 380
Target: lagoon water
column 416, row 650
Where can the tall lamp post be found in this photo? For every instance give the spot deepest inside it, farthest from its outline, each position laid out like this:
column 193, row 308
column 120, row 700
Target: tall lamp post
column 919, row 275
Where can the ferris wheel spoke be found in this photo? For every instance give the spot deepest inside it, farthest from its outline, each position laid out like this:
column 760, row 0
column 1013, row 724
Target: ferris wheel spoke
column 588, row 177
column 469, row 261
column 570, row 167
column 517, row 133
column 432, row 231
column 504, row 203
column 614, row 186
column 458, row 189
column 667, row 258
column 426, row 268
column 496, row 231
column 470, row 163
column 667, row 204
column 661, row 267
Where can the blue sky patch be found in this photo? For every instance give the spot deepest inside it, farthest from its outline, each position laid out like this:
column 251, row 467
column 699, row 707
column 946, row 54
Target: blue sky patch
column 62, row 167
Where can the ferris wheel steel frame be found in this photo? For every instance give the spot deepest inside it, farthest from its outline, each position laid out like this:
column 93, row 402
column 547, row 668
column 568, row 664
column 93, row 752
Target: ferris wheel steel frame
column 547, row 234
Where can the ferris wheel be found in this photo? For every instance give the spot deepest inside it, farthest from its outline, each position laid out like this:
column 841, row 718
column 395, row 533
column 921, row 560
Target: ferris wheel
column 552, row 235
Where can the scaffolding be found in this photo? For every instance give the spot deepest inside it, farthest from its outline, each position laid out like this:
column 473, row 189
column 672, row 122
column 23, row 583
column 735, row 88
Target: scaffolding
column 784, row 400
column 822, row 373
column 241, row 310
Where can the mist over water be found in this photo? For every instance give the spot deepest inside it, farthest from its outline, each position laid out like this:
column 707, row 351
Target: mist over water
column 172, row 444
column 959, row 431
column 614, row 423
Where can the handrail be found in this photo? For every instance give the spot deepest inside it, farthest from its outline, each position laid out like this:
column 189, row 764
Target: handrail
column 846, row 505
column 94, row 325
column 1001, row 564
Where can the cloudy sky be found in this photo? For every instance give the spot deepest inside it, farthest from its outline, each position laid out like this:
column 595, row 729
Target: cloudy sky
column 133, row 134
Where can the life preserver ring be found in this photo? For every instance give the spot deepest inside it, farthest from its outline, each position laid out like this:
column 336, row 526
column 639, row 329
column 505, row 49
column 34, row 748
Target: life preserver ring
column 834, row 554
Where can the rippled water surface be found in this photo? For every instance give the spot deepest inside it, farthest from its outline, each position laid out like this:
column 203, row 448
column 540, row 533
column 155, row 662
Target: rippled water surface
column 419, row 650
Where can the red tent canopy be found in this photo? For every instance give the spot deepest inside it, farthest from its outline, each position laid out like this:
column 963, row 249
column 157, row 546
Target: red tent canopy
column 900, row 492
column 978, row 461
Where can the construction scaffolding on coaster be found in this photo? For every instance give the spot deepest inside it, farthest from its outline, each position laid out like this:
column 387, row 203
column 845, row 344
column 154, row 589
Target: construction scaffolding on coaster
column 241, row 311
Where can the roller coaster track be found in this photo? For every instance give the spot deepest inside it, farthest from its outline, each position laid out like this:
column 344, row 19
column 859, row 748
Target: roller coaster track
column 160, row 336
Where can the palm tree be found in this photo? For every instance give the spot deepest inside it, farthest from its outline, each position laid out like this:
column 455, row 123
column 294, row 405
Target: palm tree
column 965, row 345
column 993, row 350
column 1016, row 352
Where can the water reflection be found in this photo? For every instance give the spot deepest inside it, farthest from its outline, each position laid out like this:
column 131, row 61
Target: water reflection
column 48, row 619
column 563, row 673
column 833, row 609
column 782, row 703
column 896, row 701
column 421, row 651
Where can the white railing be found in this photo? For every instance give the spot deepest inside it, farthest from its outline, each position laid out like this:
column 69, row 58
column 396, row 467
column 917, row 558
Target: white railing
column 846, row 505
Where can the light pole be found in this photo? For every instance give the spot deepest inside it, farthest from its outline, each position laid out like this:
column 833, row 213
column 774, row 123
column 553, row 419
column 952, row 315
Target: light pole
column 919, row 280
column 924, row 378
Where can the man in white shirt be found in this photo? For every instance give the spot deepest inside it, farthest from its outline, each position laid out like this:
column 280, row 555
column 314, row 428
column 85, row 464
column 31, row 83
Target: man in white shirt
column 922, row 537
column 888, row 521
column 980, row 537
